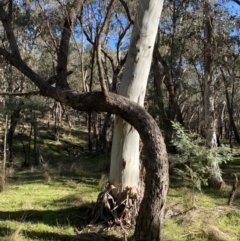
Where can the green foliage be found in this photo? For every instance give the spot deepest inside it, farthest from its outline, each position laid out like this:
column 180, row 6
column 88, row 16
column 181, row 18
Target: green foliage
column 195, row 157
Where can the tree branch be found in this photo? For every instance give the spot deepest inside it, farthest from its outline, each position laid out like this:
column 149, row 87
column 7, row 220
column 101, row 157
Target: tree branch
column 120, row 41
column 236, row 1
column 49, row 30
column 99, row 46
column 125, row 6
column 17, row 62
column 10, row 9
column 6, row 21
column 64, row 44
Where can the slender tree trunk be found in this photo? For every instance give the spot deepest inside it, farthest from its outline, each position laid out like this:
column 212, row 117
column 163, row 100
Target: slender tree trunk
column 104, row 139
column 90, row 139
column 175, row 109
column 13, row 124
column 230, row 108
column 165, row 122
column 36, row 149
column 58, row 120
column 221, row 121
column 3, row 168
column 210, row 119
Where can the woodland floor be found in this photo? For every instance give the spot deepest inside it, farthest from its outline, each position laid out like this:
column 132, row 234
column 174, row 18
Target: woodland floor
column 51, row 202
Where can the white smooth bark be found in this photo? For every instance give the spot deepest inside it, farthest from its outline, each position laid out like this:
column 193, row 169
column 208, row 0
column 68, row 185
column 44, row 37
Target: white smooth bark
column 124, row 170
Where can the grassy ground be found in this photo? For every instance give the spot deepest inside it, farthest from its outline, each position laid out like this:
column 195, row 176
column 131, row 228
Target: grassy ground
column 51, row 202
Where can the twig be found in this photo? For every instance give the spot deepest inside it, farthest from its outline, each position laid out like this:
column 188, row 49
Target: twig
column 124, row 4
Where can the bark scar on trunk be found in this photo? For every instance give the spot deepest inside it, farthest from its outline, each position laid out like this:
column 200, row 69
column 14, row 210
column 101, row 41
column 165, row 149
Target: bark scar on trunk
column 124, row 164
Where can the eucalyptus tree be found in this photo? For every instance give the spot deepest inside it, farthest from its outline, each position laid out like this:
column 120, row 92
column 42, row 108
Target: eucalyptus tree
column 150, row 217
column 210, row 120
column 125, row 164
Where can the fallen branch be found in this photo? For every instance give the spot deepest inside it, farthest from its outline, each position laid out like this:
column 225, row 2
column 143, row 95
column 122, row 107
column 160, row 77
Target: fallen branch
column 37, row 92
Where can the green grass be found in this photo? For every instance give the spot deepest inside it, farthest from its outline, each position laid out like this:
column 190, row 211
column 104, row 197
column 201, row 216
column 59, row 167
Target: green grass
column 40, row 206
column 51, row 202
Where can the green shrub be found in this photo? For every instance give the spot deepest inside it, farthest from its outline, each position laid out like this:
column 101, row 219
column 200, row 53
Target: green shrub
column 194, row 159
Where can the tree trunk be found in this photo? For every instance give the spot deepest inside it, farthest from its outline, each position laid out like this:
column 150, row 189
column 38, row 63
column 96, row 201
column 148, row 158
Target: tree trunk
column 13, row 124
column 175, row 111
column 58, row 120
column 165, row 121
column 215, row 180
column 221, row 129
column 3, row 168
column 37, row 155
column 125, row 164
column 103, row 142
column 89, row 125
column 230, row 108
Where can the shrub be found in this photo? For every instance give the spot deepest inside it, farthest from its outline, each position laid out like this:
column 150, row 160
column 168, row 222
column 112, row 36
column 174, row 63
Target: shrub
column 194, row 159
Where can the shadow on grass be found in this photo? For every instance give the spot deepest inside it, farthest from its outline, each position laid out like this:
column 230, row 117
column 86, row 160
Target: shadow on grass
column 88, row 179
column 74, row 216
column 63, row 171
column 47, row 236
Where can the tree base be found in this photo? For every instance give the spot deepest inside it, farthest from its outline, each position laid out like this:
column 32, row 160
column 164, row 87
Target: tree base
column 214, row 183
column 111, row 211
